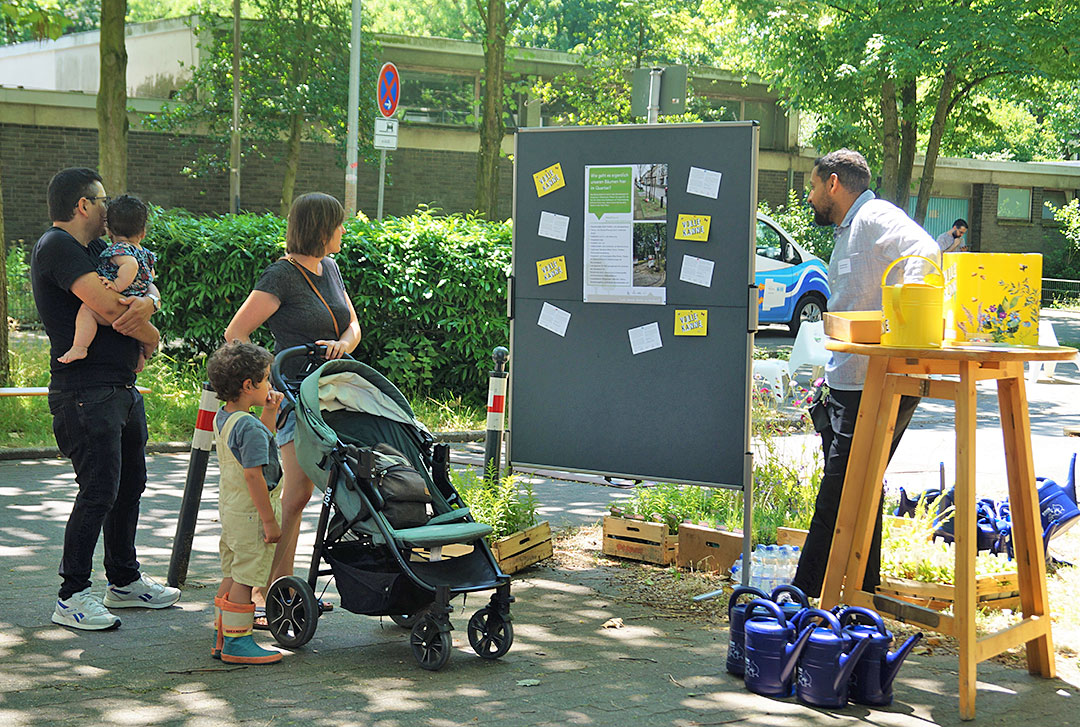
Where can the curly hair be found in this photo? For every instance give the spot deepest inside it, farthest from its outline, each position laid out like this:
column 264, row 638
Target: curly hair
column 849, row 166
column 126, row 215
column 234, row 363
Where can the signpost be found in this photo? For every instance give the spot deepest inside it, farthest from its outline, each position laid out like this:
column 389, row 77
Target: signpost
column 388, row 90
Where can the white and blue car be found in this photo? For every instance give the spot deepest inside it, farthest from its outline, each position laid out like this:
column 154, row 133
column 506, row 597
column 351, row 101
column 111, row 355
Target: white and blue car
column 793, row 284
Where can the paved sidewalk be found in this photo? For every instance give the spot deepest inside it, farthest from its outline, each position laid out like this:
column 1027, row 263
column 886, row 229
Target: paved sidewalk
column 564, row 668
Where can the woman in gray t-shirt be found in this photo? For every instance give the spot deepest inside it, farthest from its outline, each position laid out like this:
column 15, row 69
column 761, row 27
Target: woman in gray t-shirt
column 302, row 299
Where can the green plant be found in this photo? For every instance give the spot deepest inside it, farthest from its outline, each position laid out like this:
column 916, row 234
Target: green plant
column 508, row 505
column 910, row 550
column 783, row 496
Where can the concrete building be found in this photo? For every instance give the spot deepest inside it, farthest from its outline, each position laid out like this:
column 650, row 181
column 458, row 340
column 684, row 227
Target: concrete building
column 48, row 121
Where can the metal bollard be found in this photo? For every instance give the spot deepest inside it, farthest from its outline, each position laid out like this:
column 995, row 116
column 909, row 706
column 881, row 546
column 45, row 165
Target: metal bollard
column 201, row 442
column 496, row 414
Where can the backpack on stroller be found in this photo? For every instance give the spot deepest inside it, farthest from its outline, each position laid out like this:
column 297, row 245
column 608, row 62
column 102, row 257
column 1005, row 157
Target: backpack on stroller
column 388, row 512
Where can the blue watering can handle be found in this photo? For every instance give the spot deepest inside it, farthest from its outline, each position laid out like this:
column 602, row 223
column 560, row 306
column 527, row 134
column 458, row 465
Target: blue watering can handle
column 795, row 591
column 739, row 593
column 826, row 617
column 772, row 608
column 851, row 614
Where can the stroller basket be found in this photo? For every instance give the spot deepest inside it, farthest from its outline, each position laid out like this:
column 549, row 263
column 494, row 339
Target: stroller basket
column 370, row 582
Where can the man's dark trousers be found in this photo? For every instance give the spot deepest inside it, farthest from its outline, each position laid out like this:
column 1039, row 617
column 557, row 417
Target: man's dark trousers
column 842, row 408
column 102, row 429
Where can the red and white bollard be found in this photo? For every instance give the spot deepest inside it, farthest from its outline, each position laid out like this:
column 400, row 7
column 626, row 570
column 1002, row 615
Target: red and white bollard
column 201, row 442
column 496, row 414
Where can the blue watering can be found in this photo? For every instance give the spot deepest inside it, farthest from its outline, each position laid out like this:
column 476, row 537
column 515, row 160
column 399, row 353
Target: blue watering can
column 791, row 608
column 872, row 678
column 772, row 649
column 736, row 652
column 824, row 669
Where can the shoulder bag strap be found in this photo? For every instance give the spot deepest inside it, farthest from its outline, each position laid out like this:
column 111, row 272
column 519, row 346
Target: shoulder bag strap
column 304, row 272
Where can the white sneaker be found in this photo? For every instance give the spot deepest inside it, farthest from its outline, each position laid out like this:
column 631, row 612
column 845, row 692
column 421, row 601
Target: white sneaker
column 84, row 610
column 143, row 593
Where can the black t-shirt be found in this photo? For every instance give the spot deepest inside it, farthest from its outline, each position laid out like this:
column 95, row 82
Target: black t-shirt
column 303, row 318
column 58, row 260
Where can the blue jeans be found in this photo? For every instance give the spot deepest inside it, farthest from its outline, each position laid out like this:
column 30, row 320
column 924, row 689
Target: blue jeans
column 102, row 429
column 843, row 408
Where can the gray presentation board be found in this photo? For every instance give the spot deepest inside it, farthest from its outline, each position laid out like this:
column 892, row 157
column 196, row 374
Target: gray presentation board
column 583, row 401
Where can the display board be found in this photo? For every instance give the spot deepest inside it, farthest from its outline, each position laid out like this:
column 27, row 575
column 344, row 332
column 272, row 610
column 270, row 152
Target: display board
column 632, row 302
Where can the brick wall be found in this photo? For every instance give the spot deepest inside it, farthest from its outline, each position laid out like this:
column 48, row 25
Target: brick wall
column 989, row 234
column 773, row 186
column 30, row 155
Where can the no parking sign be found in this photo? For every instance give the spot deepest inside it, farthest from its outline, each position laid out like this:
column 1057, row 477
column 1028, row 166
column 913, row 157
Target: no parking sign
column 388, row 89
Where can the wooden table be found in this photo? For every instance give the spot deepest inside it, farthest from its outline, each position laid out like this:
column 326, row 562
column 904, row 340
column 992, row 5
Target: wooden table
column 906, row 371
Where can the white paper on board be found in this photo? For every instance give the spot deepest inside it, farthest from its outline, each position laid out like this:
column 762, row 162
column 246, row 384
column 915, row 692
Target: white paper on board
column 774, row 294
column 645, row 338
column 554, row 319
column 553, row 226
column 703, row 182
column 696, row 270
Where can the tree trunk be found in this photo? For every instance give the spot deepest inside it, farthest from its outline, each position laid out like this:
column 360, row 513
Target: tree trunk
column 292, row 163
column 890, row 139
column 5, row 368
column 112, row 98
column 933, row 146
column 909, row 138
column 492, row 128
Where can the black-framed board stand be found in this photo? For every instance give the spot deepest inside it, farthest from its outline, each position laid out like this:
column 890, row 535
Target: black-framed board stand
column 632, row 303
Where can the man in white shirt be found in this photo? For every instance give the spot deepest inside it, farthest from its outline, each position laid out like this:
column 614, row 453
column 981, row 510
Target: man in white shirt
column 952, row 240
column 870, row 234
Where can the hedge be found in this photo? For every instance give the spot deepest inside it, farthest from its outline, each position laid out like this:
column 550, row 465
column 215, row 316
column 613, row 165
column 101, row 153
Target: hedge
column 429, row 290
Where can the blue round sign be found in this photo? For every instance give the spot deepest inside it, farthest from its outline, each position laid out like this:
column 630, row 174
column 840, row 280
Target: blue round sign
column 389, row 89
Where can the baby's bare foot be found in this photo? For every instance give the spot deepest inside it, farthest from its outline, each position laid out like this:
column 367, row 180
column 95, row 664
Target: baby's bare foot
column 74, row 354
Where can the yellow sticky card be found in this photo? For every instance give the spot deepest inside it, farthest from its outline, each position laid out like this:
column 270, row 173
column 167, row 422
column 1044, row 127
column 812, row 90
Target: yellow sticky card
column 548, row 180
column 693, row 227
column 552, row 270
column 691, row 322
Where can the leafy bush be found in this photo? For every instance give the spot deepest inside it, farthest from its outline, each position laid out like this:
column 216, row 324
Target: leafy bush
column 797, row 219
column 505, row 506
column 429, row 291
column 1063, row 261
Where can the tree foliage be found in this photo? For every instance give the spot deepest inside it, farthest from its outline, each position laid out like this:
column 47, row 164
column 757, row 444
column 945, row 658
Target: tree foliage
column 294, row 85
column 880, row 71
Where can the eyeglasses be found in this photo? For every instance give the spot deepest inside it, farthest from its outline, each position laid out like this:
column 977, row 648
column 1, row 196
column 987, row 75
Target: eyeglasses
column 104, row 198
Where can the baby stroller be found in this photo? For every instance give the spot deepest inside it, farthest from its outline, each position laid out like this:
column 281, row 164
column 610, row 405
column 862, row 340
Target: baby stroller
column 346, row 414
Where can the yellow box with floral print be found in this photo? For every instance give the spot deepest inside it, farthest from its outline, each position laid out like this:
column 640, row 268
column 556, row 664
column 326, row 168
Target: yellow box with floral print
column 992, row 297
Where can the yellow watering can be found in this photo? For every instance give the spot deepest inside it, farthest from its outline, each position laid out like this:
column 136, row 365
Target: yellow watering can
column 913, row 314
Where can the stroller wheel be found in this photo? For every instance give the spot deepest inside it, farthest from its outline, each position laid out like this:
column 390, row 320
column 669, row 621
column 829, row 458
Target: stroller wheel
column 430, row 644
column 292, row 612
column 490, row 635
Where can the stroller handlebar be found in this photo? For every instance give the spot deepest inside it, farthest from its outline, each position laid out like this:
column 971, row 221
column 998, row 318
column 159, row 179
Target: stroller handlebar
column 309, row 351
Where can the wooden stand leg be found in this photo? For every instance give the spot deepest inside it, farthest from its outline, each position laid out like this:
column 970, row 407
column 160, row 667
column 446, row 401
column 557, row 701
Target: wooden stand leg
column 1027, row 526
column 855, row 484
column 964, row 528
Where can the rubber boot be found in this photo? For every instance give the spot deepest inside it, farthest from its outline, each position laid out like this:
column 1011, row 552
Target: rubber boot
column 238, row 647
column 218, row 638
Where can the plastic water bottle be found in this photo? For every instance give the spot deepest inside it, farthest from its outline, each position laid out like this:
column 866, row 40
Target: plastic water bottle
column 769, row 576
column 736, row 570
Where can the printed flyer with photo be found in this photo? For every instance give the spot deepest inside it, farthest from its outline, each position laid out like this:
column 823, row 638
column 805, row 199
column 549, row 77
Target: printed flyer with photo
column 626, row 234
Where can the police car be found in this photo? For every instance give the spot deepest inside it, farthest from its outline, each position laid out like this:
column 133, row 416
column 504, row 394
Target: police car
column 793, row 284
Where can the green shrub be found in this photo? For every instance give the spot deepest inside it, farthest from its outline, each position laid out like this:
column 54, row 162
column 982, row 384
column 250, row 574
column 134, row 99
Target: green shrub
column 429, row 290
column 504, row 505
column 797, row 219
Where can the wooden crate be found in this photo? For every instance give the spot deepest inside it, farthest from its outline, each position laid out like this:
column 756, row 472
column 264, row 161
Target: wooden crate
column 639, row 540
column 1001, row 590
column 707, row 549
column 791, row 536
column 523, row 548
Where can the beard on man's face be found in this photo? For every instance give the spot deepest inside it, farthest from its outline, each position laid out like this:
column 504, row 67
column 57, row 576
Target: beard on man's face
column 822, row 218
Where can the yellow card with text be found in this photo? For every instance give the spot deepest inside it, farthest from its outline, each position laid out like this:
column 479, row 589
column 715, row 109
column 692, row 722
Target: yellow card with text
column 693, row 227
column 552, row 270
column 691, row 322
column 548, row 180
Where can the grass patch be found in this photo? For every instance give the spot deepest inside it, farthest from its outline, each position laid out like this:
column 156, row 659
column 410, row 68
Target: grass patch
column 449, row 414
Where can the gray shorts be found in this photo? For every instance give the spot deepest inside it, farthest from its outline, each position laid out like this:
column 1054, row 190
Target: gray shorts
column 288, row 430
